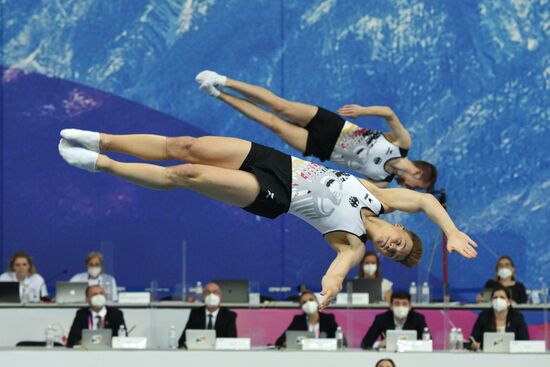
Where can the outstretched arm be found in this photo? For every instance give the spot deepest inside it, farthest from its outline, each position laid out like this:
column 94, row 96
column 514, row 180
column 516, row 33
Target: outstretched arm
column 401, row 134
column 349, row 253
column 412, row 201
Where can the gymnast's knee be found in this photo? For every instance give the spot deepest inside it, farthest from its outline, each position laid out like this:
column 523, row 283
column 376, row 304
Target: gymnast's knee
column 182, row 175
column 179, row 147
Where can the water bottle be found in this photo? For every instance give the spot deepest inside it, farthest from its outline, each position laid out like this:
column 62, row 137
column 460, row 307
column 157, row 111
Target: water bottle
column 452, row 339
column 172, row 342
column 339, row 338
column 425, row 293
column 426, row 334
column 198, row 292
column 122, row 331
column 50, row 336
column 459, row 340
column 413, row 292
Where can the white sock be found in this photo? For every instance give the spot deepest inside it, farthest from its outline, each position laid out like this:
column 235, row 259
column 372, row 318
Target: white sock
column 208, row 87
column 88, row 139
column 217, row 79
column 77, row 156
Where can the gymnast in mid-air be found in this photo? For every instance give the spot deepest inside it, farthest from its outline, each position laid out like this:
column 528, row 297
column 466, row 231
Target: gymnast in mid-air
column 312, row 130
column 268, row 183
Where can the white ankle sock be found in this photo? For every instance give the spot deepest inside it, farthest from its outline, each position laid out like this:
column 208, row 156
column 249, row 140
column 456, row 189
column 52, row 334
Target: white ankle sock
column 88, row 139
column 217, row 79
column 208, row 87
column 77, row 156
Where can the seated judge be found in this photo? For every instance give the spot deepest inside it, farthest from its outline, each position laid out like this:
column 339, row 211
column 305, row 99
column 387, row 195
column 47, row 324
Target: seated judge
column 322, row 324
column 94, row 275
column 501, row 317
column 32, row 287
column 400, row 316
column 506, row 277
column 96, row 316
column 211, row 316
column 370, row 269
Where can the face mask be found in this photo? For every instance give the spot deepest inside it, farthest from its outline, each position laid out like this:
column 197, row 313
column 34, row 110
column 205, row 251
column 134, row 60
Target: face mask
column 98, row 301
column 401, row 312
column 369, row 269
column 94, row 271
column 310, row 307
column 500, row 304
column 212, row 300
column 504, row 273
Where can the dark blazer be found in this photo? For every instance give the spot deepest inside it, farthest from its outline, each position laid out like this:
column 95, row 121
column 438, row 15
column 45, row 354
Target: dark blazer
column 385, row 321
column 327, row 326
column 519, row 295
column 226, row 323
column 113, row 319
column 514, row 323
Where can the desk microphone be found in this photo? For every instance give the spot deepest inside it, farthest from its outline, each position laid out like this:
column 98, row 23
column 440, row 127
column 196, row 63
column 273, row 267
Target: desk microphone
column 55, row 276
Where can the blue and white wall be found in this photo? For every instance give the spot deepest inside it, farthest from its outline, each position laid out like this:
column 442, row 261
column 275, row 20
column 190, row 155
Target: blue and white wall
column 470, row 79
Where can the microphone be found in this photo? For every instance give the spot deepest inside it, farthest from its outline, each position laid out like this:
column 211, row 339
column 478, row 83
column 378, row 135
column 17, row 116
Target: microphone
column 55, row 276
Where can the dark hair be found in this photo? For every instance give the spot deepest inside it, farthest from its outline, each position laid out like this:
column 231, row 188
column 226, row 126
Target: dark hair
column 385, row 360
column 362, row 272
column 416, row 252
column 22, row 254
column 492, row 318
column 429, row 173
column 504, row 289
column 400, row 295
column 304, row 293
column 511, row 262
column 90, row 286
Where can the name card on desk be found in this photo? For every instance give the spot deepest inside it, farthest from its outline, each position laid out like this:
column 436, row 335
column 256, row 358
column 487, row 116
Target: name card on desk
column 319, row 344
column 232, row 343
column 134, row 298
column 356, row 299
column 131, row 342
column 527, row 346
column 415, row 346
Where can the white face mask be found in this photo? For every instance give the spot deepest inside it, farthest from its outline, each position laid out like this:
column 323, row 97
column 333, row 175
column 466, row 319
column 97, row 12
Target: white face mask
column 500, row 304
column 504, row 273
column 310, row 307
column 401, row 312
column 98, row 301
column 369, row 269
column 94, row 271
column 212, row 300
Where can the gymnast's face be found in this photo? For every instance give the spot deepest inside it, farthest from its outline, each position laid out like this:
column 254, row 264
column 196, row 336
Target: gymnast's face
column 392, row 241
column 412, row 181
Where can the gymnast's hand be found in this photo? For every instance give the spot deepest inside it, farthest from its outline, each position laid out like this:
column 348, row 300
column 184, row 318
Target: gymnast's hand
column 331, row 287
column 461, row 243
column 351, row 110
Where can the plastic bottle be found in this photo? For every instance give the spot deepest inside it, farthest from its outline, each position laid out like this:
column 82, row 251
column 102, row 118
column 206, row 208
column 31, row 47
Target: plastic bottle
column 413, row 292
column 452, row 339
column 459, row 340
column 172, row 342
column 339, row 338
column 50, row 336
column 122, row 331
column 198, row 292
column 425, row 293
column 426, row 334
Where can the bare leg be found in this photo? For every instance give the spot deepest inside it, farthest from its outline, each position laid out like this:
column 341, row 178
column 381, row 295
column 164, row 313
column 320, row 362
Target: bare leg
column 298, row 113
column 210, row 150
column 293, row 135
column 226, row 185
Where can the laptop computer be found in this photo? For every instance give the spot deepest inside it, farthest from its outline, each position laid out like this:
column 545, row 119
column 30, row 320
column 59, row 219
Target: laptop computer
column 392, row 336
column 9, row 292
column 371, row 286
column 200, row 339
column 234, row 291
column 68, row 292
column 294, row 338
column 97, row 339
column 497, row 342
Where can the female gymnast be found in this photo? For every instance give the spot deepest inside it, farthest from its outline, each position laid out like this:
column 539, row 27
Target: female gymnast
column 315, row 131
column 267, row 182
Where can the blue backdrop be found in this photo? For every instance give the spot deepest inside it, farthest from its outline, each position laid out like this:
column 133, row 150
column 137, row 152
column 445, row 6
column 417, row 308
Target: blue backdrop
column 470, row 80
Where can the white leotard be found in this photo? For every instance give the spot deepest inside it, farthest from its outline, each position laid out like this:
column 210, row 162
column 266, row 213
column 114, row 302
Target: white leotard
column 330, row 200
column 365, row 151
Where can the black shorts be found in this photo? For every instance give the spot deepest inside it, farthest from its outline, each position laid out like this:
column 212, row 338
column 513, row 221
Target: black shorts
column 273, row 169
column 323, row 132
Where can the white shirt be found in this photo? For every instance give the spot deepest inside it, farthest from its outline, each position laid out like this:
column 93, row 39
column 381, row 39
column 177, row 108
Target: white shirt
column 314, row 328
column 214, row 317
column 31, row 289
column 98, row 322
column 106, row 281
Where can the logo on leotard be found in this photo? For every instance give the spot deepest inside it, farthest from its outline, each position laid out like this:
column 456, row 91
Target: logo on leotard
column 377, row 160
column 354, row 201
column 270, row 195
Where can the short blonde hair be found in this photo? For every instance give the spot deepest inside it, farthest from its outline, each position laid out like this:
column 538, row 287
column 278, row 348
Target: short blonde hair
column 22, row 254
column 416, row 252
column 93, row 255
